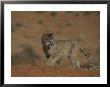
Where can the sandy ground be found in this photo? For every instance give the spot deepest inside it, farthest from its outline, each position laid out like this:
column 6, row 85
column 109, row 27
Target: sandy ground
column 18, row 71
column 28, row 28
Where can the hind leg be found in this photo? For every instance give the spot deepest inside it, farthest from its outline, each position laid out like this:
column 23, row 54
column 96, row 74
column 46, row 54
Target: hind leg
column 75, row 63
column 72, row 63
column 72, row 56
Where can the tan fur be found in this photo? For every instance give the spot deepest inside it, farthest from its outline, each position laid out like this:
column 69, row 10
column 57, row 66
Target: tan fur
column 64, row 49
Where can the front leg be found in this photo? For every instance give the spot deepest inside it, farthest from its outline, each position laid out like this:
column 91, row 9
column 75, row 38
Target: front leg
column 52, row 60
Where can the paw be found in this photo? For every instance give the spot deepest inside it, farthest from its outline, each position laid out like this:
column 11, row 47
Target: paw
column 48, row 63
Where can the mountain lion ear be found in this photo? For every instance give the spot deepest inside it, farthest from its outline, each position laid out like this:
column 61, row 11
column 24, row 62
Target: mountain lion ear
column 52, row 34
